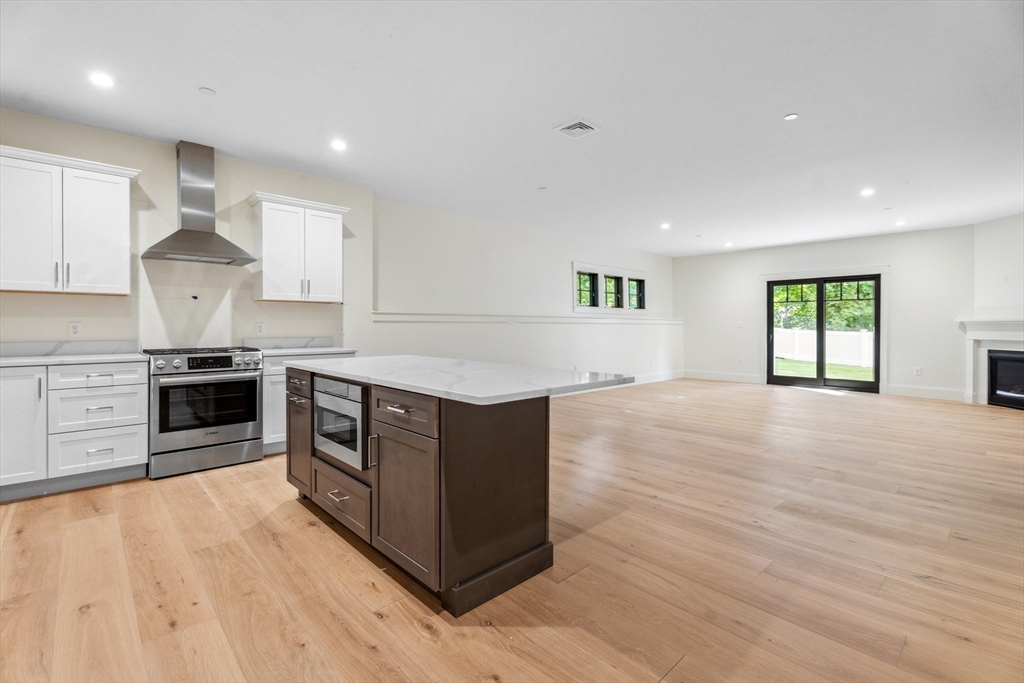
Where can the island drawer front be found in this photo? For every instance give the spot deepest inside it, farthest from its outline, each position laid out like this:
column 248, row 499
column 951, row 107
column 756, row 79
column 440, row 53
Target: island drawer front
column 344, row 498
column 405, row 410
column 97, row 375
column 299, row 382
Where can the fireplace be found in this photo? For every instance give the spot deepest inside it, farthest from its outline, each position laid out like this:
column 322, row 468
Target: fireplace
column 1006, row 379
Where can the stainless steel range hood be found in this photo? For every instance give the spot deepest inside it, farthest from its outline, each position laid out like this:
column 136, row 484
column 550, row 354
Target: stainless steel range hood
column 196, row 238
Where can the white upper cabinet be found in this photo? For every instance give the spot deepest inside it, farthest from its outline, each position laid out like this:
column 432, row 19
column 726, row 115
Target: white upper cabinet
column 97, row 226
column 65, row 224
column 298, row 247
column 30, row 225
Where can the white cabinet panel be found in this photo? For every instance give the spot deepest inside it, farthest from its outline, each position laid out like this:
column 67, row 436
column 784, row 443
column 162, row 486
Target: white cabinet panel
column 97, row 246
column 30, row 226
column 22, row 424
column 323, row 256
column 98, row 375
column 98, row 449
column 280, row 252
column 275, row 409
column 72, row 410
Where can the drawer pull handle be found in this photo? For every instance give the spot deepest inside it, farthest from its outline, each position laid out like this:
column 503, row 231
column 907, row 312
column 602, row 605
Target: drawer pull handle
column 373, row 461
column 99, row 374
column 99, row 408
column 330, row 494
column 296, row 381
column 397, row 408
column 100, row 450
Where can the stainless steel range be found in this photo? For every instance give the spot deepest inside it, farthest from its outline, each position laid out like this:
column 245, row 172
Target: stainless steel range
column 205, row 408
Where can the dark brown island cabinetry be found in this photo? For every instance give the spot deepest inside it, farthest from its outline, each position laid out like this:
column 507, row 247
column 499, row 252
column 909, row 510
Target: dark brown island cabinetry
column 299, row 428
column 456, row 494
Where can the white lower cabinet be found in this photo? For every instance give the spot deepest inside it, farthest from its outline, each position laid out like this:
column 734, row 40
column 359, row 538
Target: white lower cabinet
column 275, row 408
column 98, row 449
column 72, row 410
column 22, row 424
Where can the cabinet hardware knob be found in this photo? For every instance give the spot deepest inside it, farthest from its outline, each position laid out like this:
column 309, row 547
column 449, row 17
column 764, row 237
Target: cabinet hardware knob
column 330, row 494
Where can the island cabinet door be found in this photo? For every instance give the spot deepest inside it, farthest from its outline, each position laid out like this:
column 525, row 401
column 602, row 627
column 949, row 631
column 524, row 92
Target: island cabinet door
column 406, row 486
column 300, row 442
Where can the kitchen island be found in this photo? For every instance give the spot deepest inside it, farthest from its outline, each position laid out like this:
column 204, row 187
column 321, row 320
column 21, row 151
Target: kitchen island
column 446, row 471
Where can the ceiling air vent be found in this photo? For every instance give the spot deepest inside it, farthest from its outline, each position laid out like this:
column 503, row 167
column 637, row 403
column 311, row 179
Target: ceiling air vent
column 576, row 129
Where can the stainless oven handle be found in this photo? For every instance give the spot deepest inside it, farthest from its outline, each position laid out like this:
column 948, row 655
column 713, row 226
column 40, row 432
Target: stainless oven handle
column 199, row 378
column 372, row 462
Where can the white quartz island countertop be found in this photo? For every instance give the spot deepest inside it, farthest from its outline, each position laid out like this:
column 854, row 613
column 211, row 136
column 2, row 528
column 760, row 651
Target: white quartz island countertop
column 460, row 380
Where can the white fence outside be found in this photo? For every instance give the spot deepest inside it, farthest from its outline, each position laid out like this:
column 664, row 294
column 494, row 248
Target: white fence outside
column 841, row 348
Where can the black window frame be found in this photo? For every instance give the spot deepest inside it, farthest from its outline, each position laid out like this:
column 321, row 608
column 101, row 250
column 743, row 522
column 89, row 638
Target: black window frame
column 616, row 294
column 641, row 294
column 592, row 277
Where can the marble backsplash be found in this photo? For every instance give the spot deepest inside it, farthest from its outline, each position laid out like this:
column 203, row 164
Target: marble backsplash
column 67, row 348
column 290, row 342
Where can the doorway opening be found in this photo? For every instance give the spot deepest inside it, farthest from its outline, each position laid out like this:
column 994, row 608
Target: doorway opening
column 824, row 332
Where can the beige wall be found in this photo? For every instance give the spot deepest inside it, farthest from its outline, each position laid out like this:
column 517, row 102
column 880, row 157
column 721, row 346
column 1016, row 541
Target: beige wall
column 175, row 303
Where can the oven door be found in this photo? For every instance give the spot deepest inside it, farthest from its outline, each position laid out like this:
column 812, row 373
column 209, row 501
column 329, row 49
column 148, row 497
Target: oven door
column 338, row 429
column 188, row 411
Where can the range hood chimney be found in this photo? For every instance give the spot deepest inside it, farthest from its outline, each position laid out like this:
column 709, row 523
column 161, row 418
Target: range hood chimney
column 196, row 238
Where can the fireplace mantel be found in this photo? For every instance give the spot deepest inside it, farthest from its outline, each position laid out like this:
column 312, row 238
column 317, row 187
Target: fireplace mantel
column 986, row 330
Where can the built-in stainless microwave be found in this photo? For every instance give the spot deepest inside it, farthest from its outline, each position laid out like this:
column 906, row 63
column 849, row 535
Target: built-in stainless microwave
column 339, row 421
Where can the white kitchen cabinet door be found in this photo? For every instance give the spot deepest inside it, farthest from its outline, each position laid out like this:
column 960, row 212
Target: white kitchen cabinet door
column 72, row 410
column 97, row 227
column 281, row 252
column 22, row 424
column 30, row 226
column 275, row 410
column 323, row 256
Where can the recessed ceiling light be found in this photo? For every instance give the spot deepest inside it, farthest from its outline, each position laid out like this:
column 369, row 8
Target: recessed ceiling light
column 665, row 226
column 102, row 80
column 338, row 145
column 207, row 91
column 789, row 117
column 728, row 244
column 867, row 192
column 901, row 222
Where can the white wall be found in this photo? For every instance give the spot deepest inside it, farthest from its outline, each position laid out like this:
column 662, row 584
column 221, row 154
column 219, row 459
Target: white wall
column 453, row 285
column 999, row 268
column 428, row 263
column 161, row 310
column 929, row 283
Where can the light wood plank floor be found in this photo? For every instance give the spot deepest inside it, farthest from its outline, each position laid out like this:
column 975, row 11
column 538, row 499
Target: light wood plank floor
column 704, row 532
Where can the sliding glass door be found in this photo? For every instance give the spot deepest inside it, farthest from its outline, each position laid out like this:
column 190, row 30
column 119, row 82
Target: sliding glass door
column 824, row 332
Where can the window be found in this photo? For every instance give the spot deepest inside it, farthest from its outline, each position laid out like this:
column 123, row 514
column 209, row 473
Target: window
column 607, row 290
column 636, row 294
column 612, row 291
column 586, row 289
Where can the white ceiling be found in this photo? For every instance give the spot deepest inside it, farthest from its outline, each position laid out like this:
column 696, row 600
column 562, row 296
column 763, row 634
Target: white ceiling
column 453, row 105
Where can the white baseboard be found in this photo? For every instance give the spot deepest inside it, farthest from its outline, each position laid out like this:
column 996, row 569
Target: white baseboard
column 939, row 393
column 658, row 376
column 747, row 378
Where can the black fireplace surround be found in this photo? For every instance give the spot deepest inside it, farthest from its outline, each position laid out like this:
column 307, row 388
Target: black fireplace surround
column 1006, row 379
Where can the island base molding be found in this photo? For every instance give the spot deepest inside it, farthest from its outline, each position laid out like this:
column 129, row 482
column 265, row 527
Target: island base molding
column 474, row 592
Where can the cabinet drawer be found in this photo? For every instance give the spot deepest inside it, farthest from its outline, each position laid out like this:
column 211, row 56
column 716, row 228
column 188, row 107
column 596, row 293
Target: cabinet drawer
column 414, row 412
column 98, row 449
column 72, row 410
column 300, row 382
column 344, row 498
column 97, row 375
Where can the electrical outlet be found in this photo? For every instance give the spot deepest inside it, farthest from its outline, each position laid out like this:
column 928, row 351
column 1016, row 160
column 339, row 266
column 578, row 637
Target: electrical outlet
column 741, row 361
column 74, row 329
column 917, row 372
column 341, row 328
column 261, row 329
column 1006, row 277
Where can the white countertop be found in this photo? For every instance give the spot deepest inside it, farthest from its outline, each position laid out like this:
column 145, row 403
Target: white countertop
column 308, row 351
column 460, row 380
column 76, row 359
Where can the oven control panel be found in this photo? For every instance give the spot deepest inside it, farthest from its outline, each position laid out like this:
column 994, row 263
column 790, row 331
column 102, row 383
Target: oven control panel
column 179, row 361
